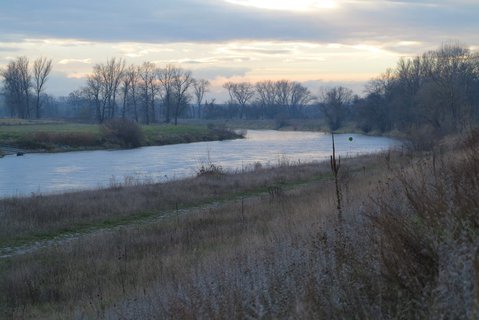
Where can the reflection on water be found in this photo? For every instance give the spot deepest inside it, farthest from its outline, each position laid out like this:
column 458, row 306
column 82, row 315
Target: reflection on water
column 57, row 172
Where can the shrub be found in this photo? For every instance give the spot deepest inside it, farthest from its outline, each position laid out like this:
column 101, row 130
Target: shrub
column 424, row 137
column 123, row 132
column 427, row 227
column 282, row 121
column 210, row 169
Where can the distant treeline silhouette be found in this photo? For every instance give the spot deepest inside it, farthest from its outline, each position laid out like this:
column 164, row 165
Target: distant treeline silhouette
column 435, row 92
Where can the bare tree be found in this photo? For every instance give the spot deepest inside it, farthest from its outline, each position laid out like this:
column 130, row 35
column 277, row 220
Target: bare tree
column 266, row 94
column 94, row 93
column 41, row 69
column 17, row 84
column 453, row 74
column 102, row 87
column 334, row 102
column 381, row 85
column 133, row 73
column 112, row 72
column 437, row 89
column 128, row 87
column 182, row 81
column 166, row 78
column 291, row 94
column 148, row 88
column 285, row 94
column 240, row 93
column 299, row 96
column 12, row 89
column 200, row 87
column 283, row 89
column 81, row 104
column 230, row 87
column 25, row 82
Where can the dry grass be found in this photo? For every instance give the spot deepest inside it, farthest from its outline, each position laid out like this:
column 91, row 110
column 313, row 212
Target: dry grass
column 63, row 136
column 407, row 249
column 427, row 228
column 94, row 272
column 44, row 216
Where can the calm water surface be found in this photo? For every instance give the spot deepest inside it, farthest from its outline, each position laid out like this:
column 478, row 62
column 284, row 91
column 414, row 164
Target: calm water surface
column 59, row 172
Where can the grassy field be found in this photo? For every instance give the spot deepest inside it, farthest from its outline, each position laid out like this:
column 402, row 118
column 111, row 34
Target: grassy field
column 16, row 132
column 261, row 244
column 27, row 220
column 212, row 214
column 61, row 136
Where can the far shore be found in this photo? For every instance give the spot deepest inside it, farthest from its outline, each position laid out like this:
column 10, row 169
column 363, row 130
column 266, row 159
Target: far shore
column 26, row 136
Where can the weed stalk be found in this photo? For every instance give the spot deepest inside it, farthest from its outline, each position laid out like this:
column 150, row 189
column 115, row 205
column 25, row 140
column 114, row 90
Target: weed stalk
column 335, row 166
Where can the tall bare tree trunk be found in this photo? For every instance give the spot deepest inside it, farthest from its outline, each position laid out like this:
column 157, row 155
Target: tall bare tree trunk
column 41, row 69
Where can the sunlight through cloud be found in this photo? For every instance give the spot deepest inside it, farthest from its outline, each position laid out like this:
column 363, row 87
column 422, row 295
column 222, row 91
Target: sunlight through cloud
column 70, row 61
column 287, row 5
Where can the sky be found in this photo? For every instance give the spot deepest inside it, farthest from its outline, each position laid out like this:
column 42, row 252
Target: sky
column 320, row 43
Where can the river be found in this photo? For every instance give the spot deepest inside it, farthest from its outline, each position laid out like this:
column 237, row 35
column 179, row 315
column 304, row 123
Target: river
column 59, row 172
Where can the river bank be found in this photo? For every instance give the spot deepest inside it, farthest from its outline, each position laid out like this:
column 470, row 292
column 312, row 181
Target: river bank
column 46, row 173
column 44, row 136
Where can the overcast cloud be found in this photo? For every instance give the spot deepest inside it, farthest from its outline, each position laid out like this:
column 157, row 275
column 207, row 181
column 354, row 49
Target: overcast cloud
column 235, row 38
column 212, row 21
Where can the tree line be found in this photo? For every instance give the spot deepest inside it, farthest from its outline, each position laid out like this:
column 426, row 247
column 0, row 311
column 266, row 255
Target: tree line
column 149, row 94
column 438, row 89
column 23, row 86
column 141, row 93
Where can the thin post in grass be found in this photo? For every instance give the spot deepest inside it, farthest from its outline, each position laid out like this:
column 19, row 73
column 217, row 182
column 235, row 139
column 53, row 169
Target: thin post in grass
column 335, row 166
column 242, row 210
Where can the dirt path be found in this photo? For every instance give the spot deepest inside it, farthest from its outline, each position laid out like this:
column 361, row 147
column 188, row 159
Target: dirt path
column 273, row 194
column 16, row 250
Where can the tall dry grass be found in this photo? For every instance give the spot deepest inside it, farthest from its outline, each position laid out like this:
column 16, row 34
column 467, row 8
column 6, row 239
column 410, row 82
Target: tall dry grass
column 406, row 249
column 97, row 271
column 89, row 276
column 427, row 233
column 48, row 215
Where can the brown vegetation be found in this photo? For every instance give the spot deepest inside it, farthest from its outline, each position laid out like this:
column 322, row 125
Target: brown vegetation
column 123, row 132
column 406, row 248
column 57, row 140
column 42, row 216
column 117, row 133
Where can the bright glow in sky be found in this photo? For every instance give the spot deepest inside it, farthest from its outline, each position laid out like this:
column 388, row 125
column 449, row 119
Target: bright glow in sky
column 318, row 42
column 287, row 5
